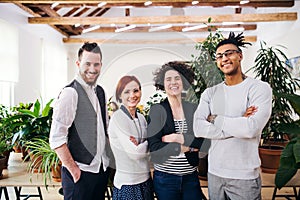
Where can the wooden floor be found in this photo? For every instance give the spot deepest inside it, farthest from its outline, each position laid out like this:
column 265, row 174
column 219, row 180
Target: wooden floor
column 52, row 193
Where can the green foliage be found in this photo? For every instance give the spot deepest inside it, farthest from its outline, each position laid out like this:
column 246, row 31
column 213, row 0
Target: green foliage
column 5, row 133
column 44, row 158
column 290, row 157
column 204, row 66
column 28, row 122
column 271, row 67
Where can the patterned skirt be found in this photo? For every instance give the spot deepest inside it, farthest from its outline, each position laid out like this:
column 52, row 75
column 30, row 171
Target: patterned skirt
column 141, row 191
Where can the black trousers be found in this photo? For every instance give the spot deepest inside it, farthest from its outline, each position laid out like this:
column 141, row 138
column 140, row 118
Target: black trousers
column 90, row 186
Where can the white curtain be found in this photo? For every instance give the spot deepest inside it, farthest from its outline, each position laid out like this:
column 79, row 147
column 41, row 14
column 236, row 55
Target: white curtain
column 9, row 52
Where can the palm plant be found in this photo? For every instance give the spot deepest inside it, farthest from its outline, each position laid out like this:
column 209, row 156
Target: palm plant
column 271, row 67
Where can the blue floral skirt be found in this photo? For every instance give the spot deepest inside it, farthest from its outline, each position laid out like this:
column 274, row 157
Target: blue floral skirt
column 141, row 191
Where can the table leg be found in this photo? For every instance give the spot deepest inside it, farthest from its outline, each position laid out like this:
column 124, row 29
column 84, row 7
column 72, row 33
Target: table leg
column 40, row 193
column 5, row 193
column 18, row 191
column 274, row 193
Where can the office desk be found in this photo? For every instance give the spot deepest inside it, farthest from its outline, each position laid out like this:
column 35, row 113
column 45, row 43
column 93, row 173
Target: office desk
column 17, row 176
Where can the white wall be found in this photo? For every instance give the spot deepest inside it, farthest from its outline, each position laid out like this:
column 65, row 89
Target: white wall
column 285, row 33
column 42, row 57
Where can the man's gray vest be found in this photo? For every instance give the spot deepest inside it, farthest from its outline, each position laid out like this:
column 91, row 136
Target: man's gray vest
column 82, row 137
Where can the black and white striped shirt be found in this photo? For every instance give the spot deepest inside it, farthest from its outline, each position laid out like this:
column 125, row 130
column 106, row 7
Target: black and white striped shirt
column 177, row 164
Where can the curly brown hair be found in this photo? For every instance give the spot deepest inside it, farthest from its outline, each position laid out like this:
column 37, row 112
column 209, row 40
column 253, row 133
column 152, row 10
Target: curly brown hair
column 185, row 71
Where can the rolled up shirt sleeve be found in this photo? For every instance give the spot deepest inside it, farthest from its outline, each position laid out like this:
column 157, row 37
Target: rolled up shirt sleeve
column 64, row 112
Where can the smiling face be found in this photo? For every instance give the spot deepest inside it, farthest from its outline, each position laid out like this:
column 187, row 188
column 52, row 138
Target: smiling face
column 89, row 67
column 131, row 95
column 230, row 61
column 173, row 83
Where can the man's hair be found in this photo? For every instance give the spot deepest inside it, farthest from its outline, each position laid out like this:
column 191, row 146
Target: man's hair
column 90, row 47
column 186, row 73
column 238, row 41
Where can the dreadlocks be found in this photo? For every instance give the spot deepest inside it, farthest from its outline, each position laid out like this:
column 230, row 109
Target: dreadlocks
column 238, row 41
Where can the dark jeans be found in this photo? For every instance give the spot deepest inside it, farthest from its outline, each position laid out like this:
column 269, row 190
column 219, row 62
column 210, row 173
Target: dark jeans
column 168, row 186
column 90, row 186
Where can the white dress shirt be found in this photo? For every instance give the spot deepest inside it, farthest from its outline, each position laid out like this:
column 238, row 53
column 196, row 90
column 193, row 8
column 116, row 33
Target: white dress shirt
column 64, row 112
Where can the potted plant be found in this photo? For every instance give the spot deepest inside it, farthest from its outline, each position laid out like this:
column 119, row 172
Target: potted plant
column 45, row 160
column 271, row 66
column 290, row 157
column 3, row 148
column 31, row 122
column 5, row 134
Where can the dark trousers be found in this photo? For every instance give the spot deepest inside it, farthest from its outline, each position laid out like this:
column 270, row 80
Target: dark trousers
column 173, row 187
column 90, row 186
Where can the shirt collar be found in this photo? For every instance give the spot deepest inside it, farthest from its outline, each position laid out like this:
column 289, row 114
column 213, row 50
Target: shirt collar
column 84, row 84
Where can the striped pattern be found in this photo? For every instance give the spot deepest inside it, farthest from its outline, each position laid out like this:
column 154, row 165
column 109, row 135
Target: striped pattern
column 177, row 164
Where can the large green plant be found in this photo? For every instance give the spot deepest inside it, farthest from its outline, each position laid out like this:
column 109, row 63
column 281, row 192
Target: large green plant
column 30, row 122
column 204, row 66
column 290, row 157
column 271, row 66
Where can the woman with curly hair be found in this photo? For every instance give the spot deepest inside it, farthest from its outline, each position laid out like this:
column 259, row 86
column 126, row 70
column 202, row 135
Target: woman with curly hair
column 173, row 147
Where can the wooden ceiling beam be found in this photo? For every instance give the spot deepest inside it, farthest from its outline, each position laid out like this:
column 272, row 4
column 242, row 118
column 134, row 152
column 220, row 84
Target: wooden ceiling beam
column 69, row 28
column 247, row 27
column 142, row 1
column 219, row 3
column 142, row 41
column 26, row 9
column 263, row 17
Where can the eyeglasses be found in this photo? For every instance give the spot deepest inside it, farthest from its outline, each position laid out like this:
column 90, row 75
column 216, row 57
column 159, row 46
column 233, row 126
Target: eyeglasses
column 227, row 53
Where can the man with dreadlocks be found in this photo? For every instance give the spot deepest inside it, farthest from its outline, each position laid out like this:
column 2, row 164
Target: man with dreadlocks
column 232, row 114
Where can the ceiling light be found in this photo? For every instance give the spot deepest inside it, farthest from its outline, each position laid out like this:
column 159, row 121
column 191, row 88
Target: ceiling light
column 244, row 2
column 103, row 3
column 92, row 28
column 191, row 28
column 54, row 5
column 76, row 25
column 148, row 3
column 126, row 28
column 157, row 28
column 195, row 2
column 240, row 29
